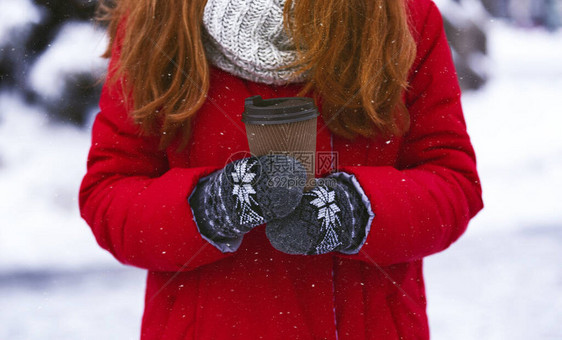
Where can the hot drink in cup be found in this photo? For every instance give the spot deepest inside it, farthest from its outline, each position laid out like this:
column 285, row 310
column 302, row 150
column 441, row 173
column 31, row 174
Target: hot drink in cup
column 283, row 126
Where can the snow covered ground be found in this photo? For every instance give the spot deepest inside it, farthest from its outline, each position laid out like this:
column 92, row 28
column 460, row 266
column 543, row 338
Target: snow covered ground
column 502, row 280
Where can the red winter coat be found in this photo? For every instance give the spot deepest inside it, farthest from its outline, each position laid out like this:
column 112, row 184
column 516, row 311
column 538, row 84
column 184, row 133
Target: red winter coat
column 423, row 188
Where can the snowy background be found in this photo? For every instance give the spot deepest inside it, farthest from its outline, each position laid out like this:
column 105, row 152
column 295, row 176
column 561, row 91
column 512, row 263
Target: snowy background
column 501, row 280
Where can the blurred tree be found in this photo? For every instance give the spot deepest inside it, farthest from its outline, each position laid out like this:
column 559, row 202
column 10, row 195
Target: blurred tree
column 497, row 8
column 465, row 26
column 55, row 14
column 25, row 46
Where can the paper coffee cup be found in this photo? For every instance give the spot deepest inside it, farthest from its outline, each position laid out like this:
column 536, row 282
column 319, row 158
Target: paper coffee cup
column 283, row 126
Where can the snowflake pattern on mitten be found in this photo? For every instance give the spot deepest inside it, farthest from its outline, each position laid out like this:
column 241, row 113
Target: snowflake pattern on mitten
column 246, row 204
column 323, row 199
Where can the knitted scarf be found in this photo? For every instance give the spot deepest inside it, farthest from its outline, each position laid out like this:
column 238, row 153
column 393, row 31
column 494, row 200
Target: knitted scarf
column 246, row 38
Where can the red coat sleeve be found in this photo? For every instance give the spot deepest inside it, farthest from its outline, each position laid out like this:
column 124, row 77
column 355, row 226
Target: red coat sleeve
column 135, row 205
column 425, row 202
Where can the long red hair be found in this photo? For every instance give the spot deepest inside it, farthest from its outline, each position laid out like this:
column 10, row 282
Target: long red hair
column 357, row 54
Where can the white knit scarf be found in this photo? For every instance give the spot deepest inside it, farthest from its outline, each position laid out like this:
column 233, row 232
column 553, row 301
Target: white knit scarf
column 246, row 38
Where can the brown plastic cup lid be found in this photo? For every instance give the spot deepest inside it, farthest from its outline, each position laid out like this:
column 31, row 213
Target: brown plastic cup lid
column 278, row 110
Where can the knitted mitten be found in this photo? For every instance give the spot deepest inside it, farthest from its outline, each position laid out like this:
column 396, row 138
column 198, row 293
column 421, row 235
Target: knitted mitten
column 246, row 193
column 330, row 217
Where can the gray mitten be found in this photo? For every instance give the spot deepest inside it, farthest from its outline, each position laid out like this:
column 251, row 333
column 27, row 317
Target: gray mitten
column 246, row 193
column 333, row 216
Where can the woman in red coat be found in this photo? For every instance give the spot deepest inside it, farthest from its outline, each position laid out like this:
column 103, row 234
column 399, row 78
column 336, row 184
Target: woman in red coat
column 169, row 189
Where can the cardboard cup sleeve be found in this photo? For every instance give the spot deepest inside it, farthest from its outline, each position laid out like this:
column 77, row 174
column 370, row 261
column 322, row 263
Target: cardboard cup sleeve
column 283, row 126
